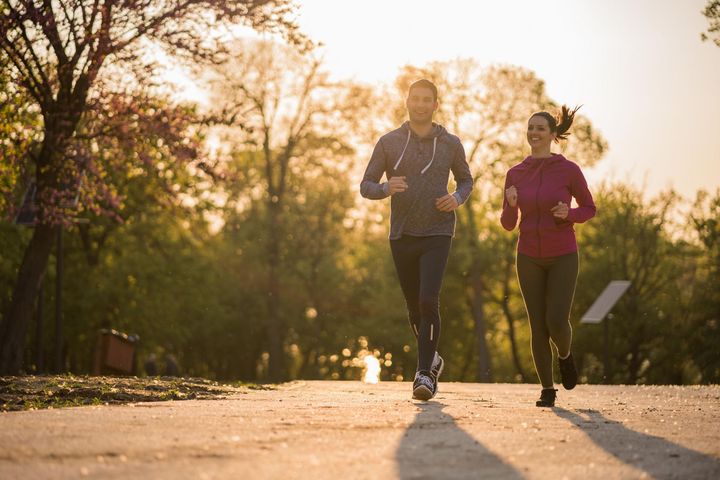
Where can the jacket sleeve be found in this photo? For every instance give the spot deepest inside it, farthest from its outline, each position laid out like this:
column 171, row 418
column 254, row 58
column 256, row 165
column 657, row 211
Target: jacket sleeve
column 586, row 206
column 509, row 215
column 462, row 175
column 370, row 186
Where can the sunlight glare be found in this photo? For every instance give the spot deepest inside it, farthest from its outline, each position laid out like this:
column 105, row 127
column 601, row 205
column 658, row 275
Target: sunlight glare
column 372, row 369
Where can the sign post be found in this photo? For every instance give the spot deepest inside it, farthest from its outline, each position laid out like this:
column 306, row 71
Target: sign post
column 600, row 309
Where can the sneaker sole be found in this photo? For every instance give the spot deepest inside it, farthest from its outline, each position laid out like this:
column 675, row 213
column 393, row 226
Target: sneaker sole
column 422, row 393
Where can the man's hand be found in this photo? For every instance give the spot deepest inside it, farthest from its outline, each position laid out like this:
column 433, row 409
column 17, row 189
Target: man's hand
column 396, row 184
column 448, row 203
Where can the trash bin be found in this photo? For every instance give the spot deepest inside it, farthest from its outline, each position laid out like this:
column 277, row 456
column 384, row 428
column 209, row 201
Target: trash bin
column 114, row 353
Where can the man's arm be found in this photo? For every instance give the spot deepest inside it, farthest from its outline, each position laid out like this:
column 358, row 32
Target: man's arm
column 462, row 175
column 370, row 186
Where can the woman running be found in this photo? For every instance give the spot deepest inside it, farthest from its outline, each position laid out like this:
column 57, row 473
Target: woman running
column 542, row 188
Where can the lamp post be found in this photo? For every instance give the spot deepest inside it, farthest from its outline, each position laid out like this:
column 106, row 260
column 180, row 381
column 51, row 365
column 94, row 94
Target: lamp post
column 27, row 216
column 58, row 302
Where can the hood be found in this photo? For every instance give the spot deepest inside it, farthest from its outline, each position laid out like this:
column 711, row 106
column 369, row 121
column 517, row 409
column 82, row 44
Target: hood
column 554, row 157
column 436, row 132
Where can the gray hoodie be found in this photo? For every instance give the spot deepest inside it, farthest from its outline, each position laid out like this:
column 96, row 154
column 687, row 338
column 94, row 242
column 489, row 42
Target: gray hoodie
column 426, row 163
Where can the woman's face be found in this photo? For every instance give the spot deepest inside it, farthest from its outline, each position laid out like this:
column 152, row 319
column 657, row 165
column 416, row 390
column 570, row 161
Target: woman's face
column 538, row 132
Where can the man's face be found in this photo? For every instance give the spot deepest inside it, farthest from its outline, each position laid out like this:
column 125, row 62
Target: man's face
column 421, row 104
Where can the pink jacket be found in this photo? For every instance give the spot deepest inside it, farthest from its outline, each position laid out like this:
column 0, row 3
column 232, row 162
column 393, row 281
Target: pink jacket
column 542, row 183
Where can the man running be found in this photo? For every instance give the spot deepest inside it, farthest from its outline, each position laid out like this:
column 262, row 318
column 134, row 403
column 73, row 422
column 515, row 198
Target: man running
column 417, row 159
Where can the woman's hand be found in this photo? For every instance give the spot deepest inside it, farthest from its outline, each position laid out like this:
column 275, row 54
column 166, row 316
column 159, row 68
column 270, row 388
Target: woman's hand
column 511, row 196
column 560, row 210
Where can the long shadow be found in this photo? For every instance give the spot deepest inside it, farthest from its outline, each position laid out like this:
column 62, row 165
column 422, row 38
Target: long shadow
column 658, row 457
column 434, row 446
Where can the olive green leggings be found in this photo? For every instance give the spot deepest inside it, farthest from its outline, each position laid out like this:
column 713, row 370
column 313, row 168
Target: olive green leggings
column 548, row 287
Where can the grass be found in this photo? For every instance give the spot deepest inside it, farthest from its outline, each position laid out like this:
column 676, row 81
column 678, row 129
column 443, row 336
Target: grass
column 60, row 391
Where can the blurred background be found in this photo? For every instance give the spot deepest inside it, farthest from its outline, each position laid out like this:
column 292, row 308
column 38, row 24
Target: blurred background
column 189, row 174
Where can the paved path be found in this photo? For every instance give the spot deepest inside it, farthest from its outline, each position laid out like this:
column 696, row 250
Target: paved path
column 348, row 430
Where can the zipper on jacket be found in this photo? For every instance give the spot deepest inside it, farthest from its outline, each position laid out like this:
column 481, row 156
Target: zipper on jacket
column 537, row 204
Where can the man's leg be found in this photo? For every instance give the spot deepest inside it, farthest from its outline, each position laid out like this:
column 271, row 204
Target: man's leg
column 407, row 265
column 434, row 257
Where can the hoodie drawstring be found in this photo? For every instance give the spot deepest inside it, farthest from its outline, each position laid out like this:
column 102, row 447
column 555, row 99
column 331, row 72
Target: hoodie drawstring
column 397, row 164
column 432, row 159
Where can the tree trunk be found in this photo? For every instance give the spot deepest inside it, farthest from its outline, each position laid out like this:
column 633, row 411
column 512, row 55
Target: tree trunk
column 20, row 313
column 483, row 373
column 275, row 331
column 513, row 342
column 511, row 323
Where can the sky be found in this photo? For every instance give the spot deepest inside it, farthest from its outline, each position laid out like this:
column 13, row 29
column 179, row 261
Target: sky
column 638, row 67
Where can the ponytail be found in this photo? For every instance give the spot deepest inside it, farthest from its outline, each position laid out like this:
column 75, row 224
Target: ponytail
column 565, row 121
column 561, row 124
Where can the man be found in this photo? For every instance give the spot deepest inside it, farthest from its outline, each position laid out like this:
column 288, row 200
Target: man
column 417, row 159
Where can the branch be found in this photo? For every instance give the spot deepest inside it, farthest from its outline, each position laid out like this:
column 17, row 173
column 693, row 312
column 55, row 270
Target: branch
column 44, row 92
column 49, row 28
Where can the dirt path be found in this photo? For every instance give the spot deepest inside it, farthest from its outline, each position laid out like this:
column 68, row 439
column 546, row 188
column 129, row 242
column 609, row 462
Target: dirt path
column 347, row 430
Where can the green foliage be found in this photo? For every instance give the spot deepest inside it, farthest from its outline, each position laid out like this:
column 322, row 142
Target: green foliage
column 20, row 131
column 654, row 325
column 712, row 13
column 177, row 249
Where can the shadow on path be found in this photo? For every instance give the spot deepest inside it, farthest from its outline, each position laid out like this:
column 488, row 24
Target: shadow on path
column 658, row 457
column 434, row 446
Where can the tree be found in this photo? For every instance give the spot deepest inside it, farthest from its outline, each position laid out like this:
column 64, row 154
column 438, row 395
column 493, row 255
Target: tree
column 289, row 121
column 56, row 52
column 704, row 302
column 712, row 13
column 630, row 240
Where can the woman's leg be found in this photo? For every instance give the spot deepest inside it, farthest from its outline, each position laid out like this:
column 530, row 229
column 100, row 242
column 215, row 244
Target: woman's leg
column 532, row 279
column 561, row 282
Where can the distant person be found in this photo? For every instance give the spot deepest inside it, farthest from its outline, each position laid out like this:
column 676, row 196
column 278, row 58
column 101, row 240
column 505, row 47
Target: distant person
column 417, row 159
column 151, row 365
column 172, row 368
column 542, row 188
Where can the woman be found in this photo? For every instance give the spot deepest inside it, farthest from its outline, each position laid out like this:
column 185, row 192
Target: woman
column 542, row 188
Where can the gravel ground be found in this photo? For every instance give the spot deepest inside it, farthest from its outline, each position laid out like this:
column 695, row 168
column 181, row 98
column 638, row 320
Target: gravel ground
column 348, row 430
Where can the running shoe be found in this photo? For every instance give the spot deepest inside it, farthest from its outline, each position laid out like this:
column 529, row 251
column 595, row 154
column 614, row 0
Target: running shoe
column 424, row 386
column 568, row 372
column 547, row 398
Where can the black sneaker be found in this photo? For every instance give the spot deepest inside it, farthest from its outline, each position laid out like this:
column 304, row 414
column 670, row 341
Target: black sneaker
column 568, row 372
column 437, row 366
column 547, row 398
column 424, row 386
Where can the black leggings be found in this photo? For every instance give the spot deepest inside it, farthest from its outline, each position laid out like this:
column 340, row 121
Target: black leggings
column 548, row 287
column 420, row 264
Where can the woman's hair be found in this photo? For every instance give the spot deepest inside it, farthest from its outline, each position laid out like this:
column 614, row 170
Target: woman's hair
column 561, row 124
